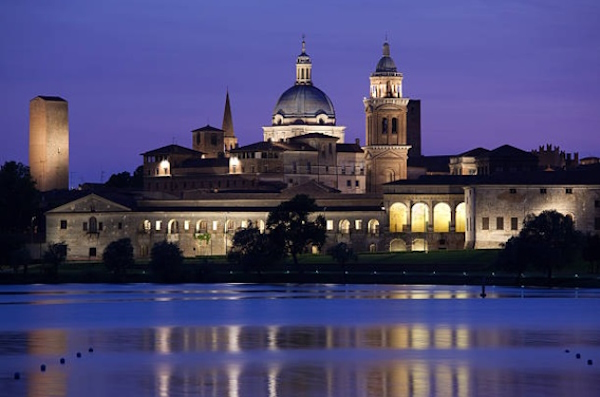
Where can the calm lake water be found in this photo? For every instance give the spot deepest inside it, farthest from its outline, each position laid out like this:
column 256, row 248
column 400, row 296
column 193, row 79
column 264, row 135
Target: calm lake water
column 308, row 340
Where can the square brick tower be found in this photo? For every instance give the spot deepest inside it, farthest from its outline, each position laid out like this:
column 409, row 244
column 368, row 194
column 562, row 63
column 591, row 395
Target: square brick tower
column 49, row 142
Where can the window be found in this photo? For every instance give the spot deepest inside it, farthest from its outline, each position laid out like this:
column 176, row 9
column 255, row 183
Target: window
column 569, row 190
column 358, row 224
column 158, row 225
column 512, row 191
column 120, row 225
column 100, row 226
column 186, row 225
column 63, row 224
column 543, row 190
column 215, row 225
column 357, row 184
column 85, row 226
column 499, row 223
column 514, row 223
column 349, row 183
column 329, row 224
column 485, row 223
column 384, row 126
column 92, row 252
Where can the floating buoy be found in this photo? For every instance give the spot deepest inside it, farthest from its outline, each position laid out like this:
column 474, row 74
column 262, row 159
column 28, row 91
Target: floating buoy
column 90, row 350
column 17, row 376
column 578, row 356
column 43, row 367
column 590, row 362
column 62, row 360
column 78, row 355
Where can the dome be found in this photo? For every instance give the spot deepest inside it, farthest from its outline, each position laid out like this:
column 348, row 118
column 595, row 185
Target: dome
column 386, row 64
column 303, row 102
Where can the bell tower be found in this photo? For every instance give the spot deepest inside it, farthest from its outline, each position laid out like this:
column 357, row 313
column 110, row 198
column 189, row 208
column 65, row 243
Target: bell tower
column 386, row 125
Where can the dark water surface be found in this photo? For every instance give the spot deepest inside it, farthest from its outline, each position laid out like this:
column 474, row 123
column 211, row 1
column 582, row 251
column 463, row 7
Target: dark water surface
column 282, row 340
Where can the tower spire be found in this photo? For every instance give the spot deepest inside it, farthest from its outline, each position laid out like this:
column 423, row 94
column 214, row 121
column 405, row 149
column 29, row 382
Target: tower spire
column 230, row 140
column 303, row 67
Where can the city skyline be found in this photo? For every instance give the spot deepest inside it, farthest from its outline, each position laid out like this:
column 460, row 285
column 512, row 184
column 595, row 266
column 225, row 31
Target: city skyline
column 518, row 73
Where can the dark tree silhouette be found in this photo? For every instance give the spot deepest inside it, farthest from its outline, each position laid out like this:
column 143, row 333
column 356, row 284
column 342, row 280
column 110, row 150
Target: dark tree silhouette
column 254, row 250
column 166, row 260
column 290, row 227
column 591, row 251
column 547, row 241
column 118, row 256
column 19, row 204
column 53, row 257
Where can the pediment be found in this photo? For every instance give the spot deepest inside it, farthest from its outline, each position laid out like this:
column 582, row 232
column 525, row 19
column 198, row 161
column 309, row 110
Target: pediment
column 386, row 154
column 91, row 203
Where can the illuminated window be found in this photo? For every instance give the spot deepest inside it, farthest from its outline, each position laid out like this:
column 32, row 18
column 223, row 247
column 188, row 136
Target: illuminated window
column 329, row 224
column 186, row 225
column 358, row 224
column 157, row 225
column 215, row 225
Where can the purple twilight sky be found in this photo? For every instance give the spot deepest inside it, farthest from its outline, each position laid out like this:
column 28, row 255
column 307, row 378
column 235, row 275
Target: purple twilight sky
column 140, row 74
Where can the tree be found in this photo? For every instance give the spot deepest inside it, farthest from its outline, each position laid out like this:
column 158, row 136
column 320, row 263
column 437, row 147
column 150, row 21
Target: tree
column 166, row 260
column 118, row 256
column 19, row 204
column 591, row 251
column 126, row 180
column 18, row 197
column 548, row 241
column 342, row 253
column 254, row 250
column 54, row 256
column 290, row 227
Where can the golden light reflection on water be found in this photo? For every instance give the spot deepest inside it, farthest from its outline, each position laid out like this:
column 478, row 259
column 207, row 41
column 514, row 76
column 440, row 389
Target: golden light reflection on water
column 280, row 361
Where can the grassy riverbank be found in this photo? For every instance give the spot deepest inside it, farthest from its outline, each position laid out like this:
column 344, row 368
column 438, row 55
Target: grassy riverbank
column 437, row 267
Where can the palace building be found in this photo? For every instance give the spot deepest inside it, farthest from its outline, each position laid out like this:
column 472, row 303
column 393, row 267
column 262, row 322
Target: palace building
column 383, row 196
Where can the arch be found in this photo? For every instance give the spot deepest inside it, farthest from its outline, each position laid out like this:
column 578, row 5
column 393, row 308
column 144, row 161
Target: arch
column 398, row 217
column 397, row 245
column 173, row 227
column 460, row 218
column 373, row 226
column 229, row 226
column 442, row 216
column 384, row 125
column 390, row 175
column 419, row 244
column 373, row 247
column 201, row 226
column 394, row 125
column 344, row 226
column 93, row 225
column 419, row 218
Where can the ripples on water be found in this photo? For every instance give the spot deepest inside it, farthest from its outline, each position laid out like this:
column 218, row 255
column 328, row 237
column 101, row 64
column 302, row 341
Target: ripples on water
column 289, row 340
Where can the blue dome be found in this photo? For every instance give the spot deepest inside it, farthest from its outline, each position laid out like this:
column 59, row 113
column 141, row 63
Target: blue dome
column 303, row 101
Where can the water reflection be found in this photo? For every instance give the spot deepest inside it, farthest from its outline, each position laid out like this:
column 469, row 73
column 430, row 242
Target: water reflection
column 277, row 361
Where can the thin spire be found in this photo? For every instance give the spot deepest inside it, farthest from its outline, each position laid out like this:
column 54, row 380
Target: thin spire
column 227, row 119
column 303, row 44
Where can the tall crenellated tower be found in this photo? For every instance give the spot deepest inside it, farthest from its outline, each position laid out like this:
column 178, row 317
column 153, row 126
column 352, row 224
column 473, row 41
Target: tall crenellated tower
column 386, row 125
column 229, row 138
column 49, row 142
